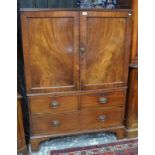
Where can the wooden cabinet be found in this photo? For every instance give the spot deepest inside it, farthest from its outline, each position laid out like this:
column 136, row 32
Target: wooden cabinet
column 132, row 96
column 76, row 70
column 21, row 145
column 132, row 105
column 134, row 47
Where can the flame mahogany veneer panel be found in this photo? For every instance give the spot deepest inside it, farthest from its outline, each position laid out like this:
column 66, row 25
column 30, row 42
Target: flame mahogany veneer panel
column 105, row 57
column 104, row 63
column 51, row 51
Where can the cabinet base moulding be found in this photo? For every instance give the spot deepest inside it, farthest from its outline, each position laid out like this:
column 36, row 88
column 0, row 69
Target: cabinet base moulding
column 22, row 150
column 35, row 141
column 131, row 133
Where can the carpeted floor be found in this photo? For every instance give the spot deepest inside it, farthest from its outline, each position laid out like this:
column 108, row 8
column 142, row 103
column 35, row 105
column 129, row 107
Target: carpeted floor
column 123, row 147
column 85, row 140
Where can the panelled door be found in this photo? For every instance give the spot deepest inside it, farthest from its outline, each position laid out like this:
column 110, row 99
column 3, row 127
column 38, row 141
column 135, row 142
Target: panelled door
column 54, row 61
column 51, row 50
column 104, row 49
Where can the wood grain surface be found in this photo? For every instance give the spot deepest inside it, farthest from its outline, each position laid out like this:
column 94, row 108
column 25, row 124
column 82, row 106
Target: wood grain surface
column 43, row 104
column 77, row 121
column 132, row 101
column 21, row 143
column 42, row 124
column 51, row 51
column 51, row 54
column 76, row 59
column 106, row 57
column 93, row 100
column 132, row 95
column 134, row 47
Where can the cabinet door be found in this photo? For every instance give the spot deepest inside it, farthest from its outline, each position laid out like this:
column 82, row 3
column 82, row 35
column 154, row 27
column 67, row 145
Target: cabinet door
column 105, row 47
column 51, row 47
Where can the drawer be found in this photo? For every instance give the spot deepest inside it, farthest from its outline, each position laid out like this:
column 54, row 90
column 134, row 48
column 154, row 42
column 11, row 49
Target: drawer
column 55, row 124
column 103, row 99
column 77, row 121
column 101, row 118
column 57, row 104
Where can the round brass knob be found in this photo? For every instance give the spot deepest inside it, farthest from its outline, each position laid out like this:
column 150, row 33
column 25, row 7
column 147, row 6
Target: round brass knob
column 56, row 123
column 55, row 104
column 103, row 100
column 101, row 118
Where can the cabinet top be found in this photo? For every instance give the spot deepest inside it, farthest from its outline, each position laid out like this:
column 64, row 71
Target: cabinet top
column 74, row 9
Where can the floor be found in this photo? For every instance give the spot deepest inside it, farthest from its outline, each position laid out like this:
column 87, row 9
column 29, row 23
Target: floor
column 74, row 141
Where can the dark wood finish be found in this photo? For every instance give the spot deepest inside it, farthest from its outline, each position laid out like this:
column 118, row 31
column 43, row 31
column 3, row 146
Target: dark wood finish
column 93, row 100
column 86, row 119
column 90, row 119
column 21, row 145
column 134, row 47
column 61, row 71
column 45, row 104
column 132, row 105
column 78, row 92
column 131, row 133
column 50, row 42
column 70, row 102
column 104, row 61
column 74, row 60
column 132, row 97
column 43, row 124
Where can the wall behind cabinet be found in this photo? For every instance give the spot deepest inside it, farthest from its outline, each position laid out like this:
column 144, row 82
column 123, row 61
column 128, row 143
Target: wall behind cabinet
column 62, row 3
column 47, row 3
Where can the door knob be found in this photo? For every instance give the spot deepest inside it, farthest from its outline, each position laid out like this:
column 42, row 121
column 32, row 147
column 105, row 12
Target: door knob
column 82, row 49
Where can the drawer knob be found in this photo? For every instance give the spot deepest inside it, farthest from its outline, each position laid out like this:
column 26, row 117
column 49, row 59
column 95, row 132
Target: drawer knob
column 101, row 118
column 55, row 104
column 56, row 123
column 103, row 100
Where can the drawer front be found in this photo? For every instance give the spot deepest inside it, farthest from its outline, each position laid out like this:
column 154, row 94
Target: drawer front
column 55, row 124
column 101, row 118
column 104, row 99
column 77, row 121
column 53, row 104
